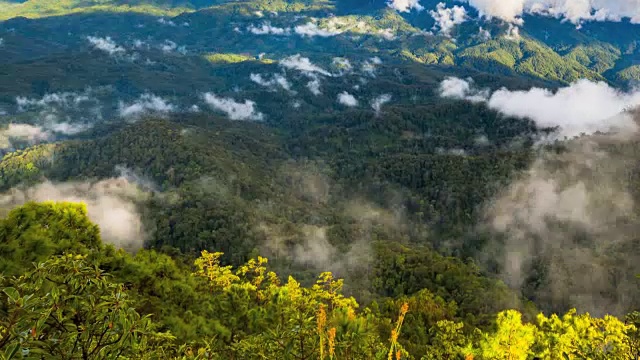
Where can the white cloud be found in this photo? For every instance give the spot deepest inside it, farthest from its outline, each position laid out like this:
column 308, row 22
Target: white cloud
column 170, row 46
column 105, row 44
column 314, row 87
column 582, row 107
column 509, row 10
column 369, row 66
column 33, row 134
column 297, row 62
column 276, row 80
column 347, row 99
column 343, row 64
column 163, row 21
column 575, row 11
column 387, row 34
column 67, row 128
column 513, row 33
column 484, row 34
column 145, row 103
column 377, row 103
column 266, row 29
column 63, row 99
column 405, row 5
column 137, row 43
column 446, row 19
column 455, row 88
column 24, row 133
column 111, row 204
column 233, row 109
column 1, row 41
column 311, row 29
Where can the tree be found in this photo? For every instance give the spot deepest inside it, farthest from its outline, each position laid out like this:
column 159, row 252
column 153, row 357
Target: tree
column 35, row 231
column 68, row 309
column 582, row 337
column 512, row 340
column 448, row 342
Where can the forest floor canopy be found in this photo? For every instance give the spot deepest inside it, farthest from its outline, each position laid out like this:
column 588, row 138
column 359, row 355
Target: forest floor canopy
column 478, row 171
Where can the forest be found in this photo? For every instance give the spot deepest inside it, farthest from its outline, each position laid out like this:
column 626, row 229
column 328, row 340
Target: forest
column 96, row 302
column 212, row 179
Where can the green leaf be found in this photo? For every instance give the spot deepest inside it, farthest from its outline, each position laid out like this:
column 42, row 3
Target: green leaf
column 12, row 293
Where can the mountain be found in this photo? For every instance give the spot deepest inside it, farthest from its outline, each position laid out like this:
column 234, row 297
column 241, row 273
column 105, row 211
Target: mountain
column 443, row 156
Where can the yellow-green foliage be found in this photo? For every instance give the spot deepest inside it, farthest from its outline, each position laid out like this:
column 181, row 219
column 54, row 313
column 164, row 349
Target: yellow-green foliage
column 249, row 8
column 597, row 57
column 367, row 24
column 630, row 73
column 68, row 305
column 25, row 165
column 528, row 56
column 230, row 58
column 43, row 8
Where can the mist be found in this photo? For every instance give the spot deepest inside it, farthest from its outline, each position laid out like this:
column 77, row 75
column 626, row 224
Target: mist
column 564, row 232
column 311, row 243
column 111, row 204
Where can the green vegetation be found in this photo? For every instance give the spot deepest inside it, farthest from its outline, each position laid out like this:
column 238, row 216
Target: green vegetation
column 234, row 58
column 103, row 304
column 393, row 202
column 41, row 8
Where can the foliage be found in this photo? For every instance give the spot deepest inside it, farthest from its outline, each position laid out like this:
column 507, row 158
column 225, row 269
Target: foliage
column 67, row 309
column 34, row 231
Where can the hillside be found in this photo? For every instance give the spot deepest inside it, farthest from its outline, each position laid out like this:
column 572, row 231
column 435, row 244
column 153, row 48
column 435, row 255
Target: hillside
column 478, row 167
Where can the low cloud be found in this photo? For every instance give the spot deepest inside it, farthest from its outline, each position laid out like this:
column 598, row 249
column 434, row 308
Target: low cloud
column 312, row 244
column 139, row 44
column 105, row 44
column 146, row 103
column 22, row 133
column 164, row 21
column 387, row 34
column 583, row 107
column 376, row 104
column 111, row 204
column 405, row 5
column 456, row 88
column 234, row 110
column 447, row 18
column 513, row 33
column 63, row 99
column 277, row 80
column 168, row 46
column 65, row 113
column 484, row 34
column 311, row 29
column 303, row 64
column 267, row 29
column 564, row 231
column 575, row 11
column 314, row 87
column 28, row 134
column 347, row 99
column 343, row 65
column 68, row 128
column 369, row 66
